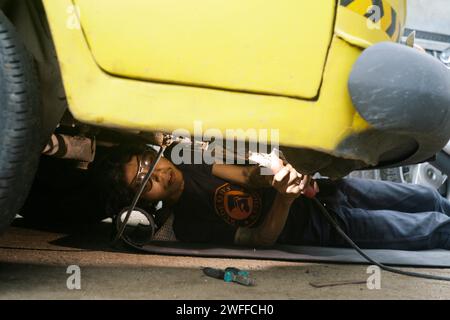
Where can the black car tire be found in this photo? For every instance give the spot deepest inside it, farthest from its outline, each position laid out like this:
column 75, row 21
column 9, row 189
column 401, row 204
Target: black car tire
column 20, row 122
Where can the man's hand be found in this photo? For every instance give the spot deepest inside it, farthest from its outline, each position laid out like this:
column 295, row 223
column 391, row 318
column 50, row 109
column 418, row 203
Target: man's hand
column 291, row 184
column 311, row 190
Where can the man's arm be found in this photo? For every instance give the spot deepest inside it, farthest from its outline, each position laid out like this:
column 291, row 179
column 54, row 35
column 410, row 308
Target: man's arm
column 289, row 186
column 268, row 232
column 247, row 176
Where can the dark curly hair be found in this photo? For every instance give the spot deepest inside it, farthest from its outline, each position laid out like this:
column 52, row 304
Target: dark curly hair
column 109, row 179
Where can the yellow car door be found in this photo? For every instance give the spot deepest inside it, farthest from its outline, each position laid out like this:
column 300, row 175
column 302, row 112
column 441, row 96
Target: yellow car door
column 271, row 47
column 285, row 65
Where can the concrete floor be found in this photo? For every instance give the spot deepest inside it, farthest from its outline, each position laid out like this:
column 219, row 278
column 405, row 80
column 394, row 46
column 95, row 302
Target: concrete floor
column 34, row 261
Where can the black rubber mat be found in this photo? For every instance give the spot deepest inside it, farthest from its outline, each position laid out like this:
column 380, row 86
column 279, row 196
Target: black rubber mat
column 93, row 238
column 429, row 258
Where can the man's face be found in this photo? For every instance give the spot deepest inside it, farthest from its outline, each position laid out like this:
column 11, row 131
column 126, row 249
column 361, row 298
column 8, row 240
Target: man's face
column 166, row 183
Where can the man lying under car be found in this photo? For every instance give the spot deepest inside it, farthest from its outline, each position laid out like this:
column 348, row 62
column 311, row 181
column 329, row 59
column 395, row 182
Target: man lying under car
column 231, row 204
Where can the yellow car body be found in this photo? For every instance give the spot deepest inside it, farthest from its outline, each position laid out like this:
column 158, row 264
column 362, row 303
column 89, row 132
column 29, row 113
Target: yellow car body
column 161, row 65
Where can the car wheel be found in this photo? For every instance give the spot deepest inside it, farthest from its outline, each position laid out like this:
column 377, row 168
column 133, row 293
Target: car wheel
column 20, row 122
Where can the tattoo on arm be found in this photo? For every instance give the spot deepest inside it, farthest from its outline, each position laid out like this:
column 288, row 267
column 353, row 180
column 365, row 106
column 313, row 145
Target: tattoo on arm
column 256, row 179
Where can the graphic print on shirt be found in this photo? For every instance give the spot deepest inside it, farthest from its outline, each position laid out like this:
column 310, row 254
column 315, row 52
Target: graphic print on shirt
column 236, row 205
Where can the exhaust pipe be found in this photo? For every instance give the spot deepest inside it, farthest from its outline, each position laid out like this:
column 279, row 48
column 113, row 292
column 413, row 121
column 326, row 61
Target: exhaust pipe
column 74, row 148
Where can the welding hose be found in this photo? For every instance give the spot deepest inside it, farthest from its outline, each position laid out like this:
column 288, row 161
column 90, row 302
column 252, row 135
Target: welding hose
column 333, row 222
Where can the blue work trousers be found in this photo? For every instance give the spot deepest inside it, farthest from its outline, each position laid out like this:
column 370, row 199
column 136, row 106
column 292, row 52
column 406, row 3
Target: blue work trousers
column 382, row 215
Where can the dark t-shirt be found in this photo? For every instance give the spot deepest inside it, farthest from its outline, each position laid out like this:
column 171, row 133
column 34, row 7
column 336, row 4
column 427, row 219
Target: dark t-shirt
column 211, row 209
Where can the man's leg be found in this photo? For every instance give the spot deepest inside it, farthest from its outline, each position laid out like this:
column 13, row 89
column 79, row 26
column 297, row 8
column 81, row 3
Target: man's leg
column 381, row 195
column 381, row 229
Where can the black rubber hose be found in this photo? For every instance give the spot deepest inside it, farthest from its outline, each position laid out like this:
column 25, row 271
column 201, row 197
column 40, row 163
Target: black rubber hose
column 330, row 219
